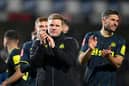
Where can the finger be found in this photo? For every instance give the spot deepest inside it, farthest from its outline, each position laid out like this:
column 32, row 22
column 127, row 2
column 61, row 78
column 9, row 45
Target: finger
column 48, row 38
column 109, row 51
column 91, row 37
column 42, row 33
column 43, row 37
column 95, row 38
column 103, row 53
column 44, row 41
column 110, row 47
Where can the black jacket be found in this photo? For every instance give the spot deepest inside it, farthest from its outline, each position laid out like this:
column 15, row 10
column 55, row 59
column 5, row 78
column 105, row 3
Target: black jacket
column 59, row 63
column 3, row 65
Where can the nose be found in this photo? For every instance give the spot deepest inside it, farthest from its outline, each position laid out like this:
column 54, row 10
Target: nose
column 53, row 28
column 116, row 23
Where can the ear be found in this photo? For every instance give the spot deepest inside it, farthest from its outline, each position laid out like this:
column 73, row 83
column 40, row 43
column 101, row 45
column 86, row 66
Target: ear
column 17, row 41
column 62, row 28
column 103, row 20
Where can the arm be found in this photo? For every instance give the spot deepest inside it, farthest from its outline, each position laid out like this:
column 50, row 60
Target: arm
column 118, row 58
column 66, row 54
column 15, row 62
column 85, row 56
column 16, row 76
column 36, row 54
column 34, row 59
column 3, row 65
column 115, row 60
column 25, row 57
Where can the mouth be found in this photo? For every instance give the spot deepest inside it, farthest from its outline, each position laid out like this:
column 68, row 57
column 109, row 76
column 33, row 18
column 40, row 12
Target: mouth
column 114, row 27
column 53, row 31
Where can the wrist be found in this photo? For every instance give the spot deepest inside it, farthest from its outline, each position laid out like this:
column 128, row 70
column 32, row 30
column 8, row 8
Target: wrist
column 108, row 55
column 90, row 49
column 5, row 82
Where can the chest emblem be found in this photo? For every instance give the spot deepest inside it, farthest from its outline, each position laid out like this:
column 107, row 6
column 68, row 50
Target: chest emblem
column 61, row 46
column 113, row 44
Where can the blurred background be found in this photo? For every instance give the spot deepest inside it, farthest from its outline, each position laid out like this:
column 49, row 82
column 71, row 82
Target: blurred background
column 84, row 15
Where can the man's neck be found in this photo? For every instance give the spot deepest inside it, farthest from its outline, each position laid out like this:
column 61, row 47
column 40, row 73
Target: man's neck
column 106, row 33
column 11, row 47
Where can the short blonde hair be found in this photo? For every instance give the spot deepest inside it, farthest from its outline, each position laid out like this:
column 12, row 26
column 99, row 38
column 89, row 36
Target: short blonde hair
column 56, row 16
column 40, row 19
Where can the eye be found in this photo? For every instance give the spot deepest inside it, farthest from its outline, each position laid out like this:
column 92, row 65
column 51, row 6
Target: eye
column 41, row 26
column 51, row 24
column 113, row 19
column 57, row 25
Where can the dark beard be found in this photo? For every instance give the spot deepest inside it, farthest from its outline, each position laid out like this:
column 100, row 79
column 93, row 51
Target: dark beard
column 107, row 29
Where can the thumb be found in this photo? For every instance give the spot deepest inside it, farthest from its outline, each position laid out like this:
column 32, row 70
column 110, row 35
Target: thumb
column 110, row 47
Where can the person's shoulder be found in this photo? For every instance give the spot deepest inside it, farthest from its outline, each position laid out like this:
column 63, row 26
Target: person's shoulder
column 87, row 33
column 119, row 37
column 15, row 51
column 28, row 42
column 68, row 38
column 91, row 33
column 71, row 40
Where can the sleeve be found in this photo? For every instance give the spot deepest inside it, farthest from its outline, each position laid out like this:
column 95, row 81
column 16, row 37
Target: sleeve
column 16, row 59
column 25, row 53
column 35, row 57
column 3, row 65
column 121, row 48
column 36, row 54
column 68, row 54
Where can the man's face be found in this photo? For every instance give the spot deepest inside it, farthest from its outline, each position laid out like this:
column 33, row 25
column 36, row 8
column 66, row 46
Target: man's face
column 111, row 23
column 41, row 26
column 55, row 27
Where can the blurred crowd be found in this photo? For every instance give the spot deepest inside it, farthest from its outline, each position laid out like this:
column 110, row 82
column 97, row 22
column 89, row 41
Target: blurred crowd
column 78, row 9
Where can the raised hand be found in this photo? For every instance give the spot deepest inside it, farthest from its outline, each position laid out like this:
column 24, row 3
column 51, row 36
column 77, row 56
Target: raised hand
column 43, row 36
column 92, row 42
column 106, row 52
column 50, row 41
